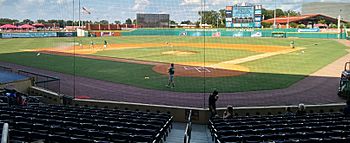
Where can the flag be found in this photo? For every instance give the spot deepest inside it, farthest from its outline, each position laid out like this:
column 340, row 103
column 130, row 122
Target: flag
column 86, row 11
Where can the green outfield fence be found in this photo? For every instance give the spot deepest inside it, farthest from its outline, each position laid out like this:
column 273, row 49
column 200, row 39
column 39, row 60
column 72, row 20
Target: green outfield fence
column 292, row 32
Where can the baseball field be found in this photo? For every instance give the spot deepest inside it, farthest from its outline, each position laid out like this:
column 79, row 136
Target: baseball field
column 201, row 63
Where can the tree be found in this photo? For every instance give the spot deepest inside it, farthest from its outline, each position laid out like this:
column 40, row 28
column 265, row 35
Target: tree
column 293, row 25
column 197, row 24
column 222, row 18
column 333, row 25
column 8, row 21
column 105, row 22
column 322, row 21
column 117, row 22
column 266, row 24
column 279, row 13
column 347, row 25
column 291, row 13
column 209, row 17
column 69, row 23
column 172, row 22
column 41, row 21
column 128, row 21
column 27, row 21
column 268, row 14
column 186, row 22
column 134, row 21
column 301, row 26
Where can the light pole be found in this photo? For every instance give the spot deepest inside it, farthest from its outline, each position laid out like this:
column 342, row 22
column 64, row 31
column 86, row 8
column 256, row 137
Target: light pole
column 339, row 17
column 79, row 15
column 288, row 21
column 274, row 16
column 217, row 22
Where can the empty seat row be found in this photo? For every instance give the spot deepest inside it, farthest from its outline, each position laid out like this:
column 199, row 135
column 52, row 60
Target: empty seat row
column 326, row 127
column 52, row 123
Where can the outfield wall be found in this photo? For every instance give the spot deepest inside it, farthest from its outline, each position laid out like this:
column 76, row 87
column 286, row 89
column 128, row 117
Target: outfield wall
column 187, row 32
column 231, row 33
column 37, row 34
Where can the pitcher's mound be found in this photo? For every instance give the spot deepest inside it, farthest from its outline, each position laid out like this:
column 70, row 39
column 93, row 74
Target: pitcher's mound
column 196, row 71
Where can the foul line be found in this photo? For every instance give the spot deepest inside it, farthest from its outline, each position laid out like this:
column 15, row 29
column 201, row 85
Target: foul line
column 252, row 58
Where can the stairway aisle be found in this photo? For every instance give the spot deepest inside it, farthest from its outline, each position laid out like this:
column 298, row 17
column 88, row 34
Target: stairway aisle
column 200, row 133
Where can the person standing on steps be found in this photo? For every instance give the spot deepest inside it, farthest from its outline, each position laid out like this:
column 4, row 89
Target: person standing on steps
column 212, row 102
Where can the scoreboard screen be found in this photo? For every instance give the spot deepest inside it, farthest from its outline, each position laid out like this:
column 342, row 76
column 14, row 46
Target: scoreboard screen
column 247, row 16
column 243, row 12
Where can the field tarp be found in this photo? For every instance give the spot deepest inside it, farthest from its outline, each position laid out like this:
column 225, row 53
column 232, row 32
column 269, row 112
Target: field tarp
column 37, row 34
column 29, row 35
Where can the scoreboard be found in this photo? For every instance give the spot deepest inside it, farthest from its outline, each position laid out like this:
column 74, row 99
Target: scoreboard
column 243, row 16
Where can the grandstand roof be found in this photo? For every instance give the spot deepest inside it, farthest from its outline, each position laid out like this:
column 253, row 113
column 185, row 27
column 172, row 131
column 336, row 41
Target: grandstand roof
column 8, row 26
column 284, row 20
column 26, row 26
column 38, row 25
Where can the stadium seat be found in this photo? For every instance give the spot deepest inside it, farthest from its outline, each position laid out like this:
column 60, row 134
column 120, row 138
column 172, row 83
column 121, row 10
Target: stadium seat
column 55, row 123
column 316, row 127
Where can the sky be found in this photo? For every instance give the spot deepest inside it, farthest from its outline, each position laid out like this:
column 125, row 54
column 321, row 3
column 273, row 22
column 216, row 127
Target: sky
column 112, row 10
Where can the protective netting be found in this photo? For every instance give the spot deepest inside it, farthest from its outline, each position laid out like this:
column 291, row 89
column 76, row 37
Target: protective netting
column 122, row 50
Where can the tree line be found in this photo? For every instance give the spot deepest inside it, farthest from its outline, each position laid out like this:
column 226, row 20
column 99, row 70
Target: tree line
column 212, row 17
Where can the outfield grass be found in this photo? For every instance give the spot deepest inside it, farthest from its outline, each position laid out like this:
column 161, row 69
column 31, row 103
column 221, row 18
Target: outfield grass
column 198, row 54
column 270, row 73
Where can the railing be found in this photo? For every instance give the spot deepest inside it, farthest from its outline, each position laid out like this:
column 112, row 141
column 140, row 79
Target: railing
column 3, row 68
column 43, row 81
column 5, row 135
column 188, row 130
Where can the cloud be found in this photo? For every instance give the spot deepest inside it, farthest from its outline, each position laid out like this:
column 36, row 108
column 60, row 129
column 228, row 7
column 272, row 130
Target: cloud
column 1, row 1
column 36, row 1
column 140, row 5
column 191, row 2
column 61, row 1
column 207, row 2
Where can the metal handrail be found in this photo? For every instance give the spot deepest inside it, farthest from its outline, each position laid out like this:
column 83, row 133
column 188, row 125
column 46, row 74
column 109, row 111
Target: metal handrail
column 5, row 135
column 188, row 130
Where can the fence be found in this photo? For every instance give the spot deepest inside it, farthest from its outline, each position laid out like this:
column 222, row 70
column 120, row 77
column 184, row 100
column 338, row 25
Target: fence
column 232, row 33
column 44, row 81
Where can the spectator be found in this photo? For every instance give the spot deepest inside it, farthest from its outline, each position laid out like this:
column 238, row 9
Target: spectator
column 347, row 108
column 228, row 114
column 212, row 102
column 288, row 111
column 301, row 110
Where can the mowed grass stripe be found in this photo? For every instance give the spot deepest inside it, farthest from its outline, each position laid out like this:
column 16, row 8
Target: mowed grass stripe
column 157, row 54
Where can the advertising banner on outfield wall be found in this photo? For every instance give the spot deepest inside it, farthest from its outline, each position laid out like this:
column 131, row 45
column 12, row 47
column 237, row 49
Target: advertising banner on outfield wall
column 237, row 34
column 66, row 34
column 256, row 34
column 29, row 35
column 309, row 30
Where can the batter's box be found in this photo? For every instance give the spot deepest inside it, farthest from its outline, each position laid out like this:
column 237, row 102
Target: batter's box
column 199, row 69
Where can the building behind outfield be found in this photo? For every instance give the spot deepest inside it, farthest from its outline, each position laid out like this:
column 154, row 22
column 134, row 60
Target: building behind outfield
column 329, row 9
column 153, row 20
